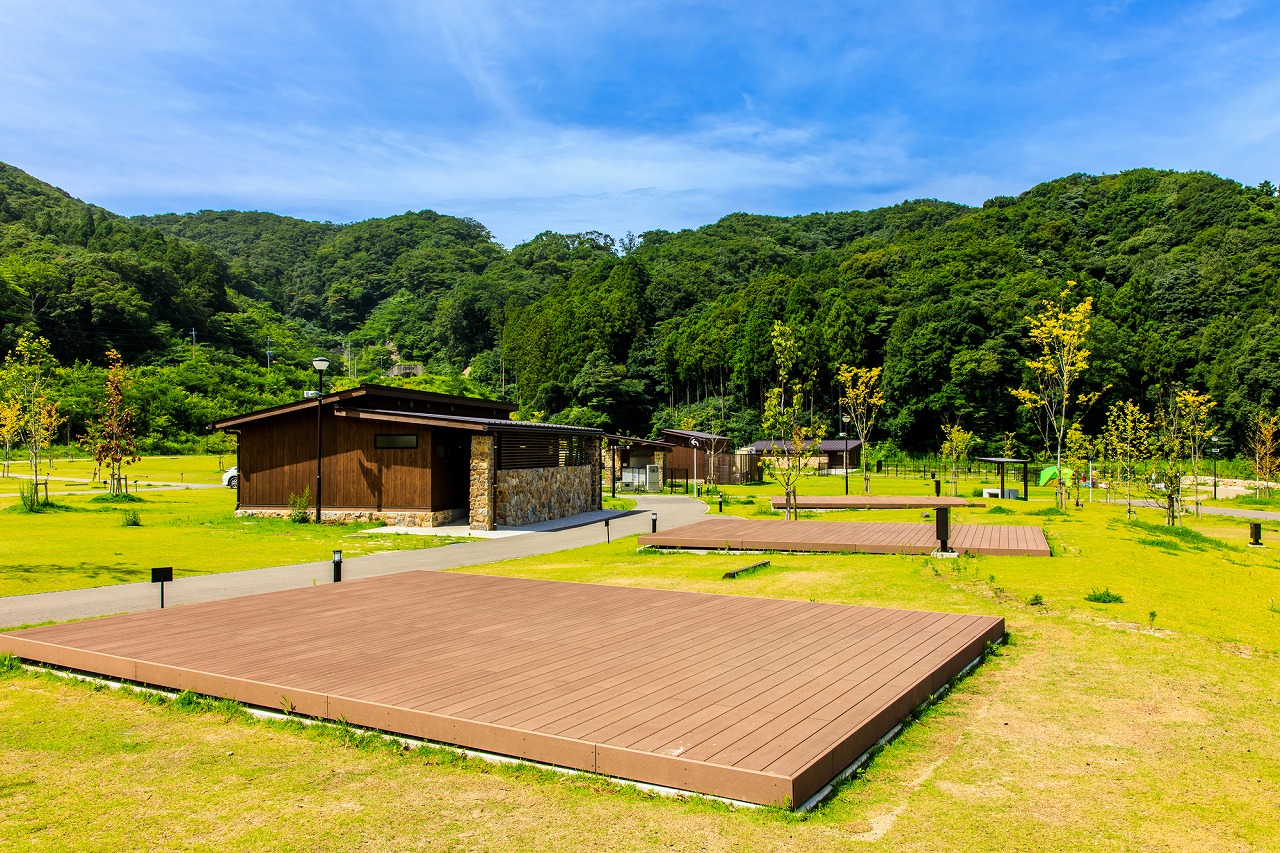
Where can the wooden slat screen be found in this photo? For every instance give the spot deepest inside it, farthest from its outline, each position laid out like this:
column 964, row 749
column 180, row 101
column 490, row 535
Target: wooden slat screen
column 517, row 450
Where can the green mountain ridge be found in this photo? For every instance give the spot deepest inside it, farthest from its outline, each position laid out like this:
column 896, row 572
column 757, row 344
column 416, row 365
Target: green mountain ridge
column 1183, row 267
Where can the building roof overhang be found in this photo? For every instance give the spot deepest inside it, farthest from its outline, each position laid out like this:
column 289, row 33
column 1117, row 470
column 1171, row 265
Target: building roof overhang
column 360, row 392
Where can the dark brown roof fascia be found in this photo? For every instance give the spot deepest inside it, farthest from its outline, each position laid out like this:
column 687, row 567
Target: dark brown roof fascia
column 361, row 391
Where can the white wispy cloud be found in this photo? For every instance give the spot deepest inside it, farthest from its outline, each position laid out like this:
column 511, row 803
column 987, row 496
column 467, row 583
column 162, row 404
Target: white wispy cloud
column 628, row 116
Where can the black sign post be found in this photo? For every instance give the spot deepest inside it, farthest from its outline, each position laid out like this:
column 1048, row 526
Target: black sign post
column 160, row 576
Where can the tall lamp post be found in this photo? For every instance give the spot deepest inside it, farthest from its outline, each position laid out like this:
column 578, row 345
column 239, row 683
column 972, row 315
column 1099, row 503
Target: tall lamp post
column 1215, row 442
column 321, row 364
column 845, row 419
column 694, row 442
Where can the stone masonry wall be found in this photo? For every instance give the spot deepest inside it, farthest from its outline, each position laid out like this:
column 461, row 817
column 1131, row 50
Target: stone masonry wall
column 484, row 466
column 529, row 495
column 405, row 518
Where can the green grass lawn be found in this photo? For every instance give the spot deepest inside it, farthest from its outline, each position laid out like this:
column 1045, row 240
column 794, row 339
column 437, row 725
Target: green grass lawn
column 1098, row 727
column 83, row 542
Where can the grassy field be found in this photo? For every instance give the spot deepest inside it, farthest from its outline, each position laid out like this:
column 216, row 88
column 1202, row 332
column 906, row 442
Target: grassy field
column 1148, row 724
column 83, row 542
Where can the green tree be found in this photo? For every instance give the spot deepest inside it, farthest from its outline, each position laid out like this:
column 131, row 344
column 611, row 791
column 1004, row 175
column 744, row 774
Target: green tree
column 1125, row 439
column 110, row 436
column 1264, row 448
column 1194, row 409
column 783, row 420
column 1059, row 333
column 956, row 444
column 861, row 397
column 25, row 379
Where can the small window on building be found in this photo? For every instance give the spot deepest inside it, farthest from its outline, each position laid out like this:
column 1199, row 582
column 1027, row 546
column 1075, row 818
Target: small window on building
column 395, row 442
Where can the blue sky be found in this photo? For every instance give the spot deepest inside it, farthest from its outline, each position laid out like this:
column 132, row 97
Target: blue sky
column 620, row 116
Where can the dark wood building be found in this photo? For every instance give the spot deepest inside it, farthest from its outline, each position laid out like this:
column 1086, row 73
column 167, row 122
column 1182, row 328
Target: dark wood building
column 414, row 458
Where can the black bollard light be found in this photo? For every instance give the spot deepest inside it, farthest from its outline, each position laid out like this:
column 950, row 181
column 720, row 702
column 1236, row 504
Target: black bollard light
column 337, row 566
column 721, row 496
column 943, row 522
column 937, row 488
column 606, row 532
column 653, row 520
column 1255, row 534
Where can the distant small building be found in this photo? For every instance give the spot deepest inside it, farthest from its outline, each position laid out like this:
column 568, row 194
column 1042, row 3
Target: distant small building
column 709, row 458
column 405, row 368
column 415, row 458
column 830, row 452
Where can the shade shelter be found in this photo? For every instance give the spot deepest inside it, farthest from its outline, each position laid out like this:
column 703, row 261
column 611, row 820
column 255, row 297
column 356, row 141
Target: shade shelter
column 1000, row 462
column 627, row 452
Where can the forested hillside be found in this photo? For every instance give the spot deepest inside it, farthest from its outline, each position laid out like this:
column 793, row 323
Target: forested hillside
column 1184, row 270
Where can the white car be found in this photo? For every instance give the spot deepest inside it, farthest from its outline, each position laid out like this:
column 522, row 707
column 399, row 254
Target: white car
column 231, row 478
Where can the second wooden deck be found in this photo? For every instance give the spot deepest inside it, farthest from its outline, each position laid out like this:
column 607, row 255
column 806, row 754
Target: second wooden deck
column 871, row 502
column 731, row 533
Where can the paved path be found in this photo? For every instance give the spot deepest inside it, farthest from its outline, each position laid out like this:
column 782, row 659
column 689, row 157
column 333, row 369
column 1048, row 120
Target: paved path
column 129, row 598
column 1255, row 514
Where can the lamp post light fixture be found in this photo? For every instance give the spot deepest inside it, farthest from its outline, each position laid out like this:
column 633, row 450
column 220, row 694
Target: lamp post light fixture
column 845, row 419
column 321, row 364
column 1215, row 442
column 694, row 442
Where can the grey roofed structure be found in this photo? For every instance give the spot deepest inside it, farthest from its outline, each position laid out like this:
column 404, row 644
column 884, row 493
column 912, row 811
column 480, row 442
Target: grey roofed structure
column 826, row 445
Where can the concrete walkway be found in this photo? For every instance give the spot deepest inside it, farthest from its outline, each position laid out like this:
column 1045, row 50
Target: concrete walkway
column 1255, row 514
column 587, row 529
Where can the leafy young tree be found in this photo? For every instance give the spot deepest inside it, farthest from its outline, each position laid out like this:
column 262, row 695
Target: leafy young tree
column 784, row 418
column 1194, row 409
column 1079, row 449
column 1167, row 444
column 111, row 437
column 861, row 398
column 956, row 444
column 26, row 374
column 1059, row 332
column 1264, row 447
column 1125, row 438
column 10, row 427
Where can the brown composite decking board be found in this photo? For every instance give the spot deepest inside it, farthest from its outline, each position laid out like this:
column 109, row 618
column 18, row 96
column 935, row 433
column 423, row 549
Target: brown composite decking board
column 753, row 699
column 749, row 534
column 871, row 502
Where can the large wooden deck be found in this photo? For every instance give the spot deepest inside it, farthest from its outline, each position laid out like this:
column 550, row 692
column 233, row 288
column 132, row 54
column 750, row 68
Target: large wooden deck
column 871, row 502
column 752, row 699
column 731, row 533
